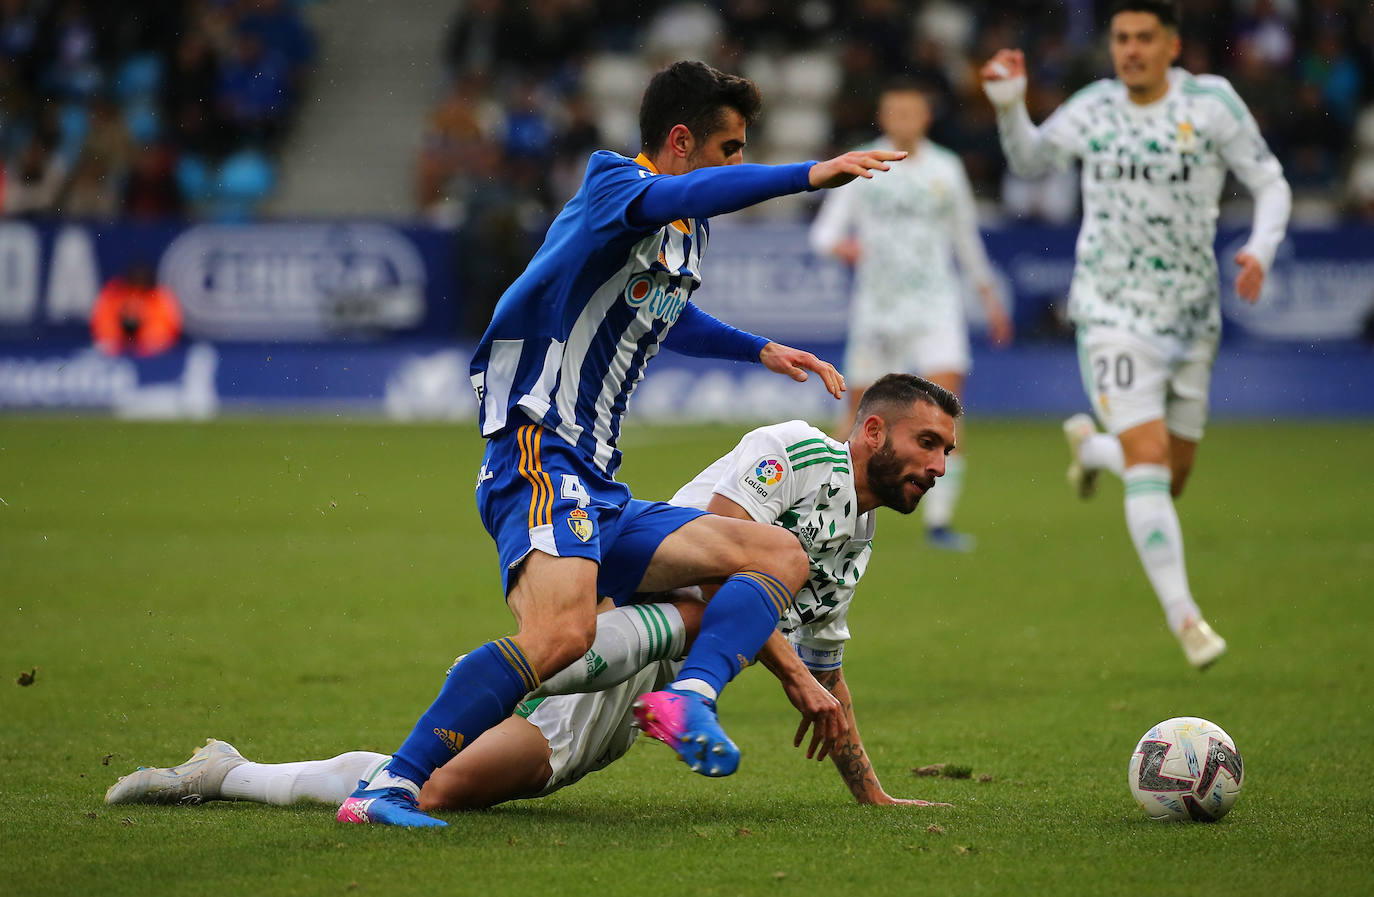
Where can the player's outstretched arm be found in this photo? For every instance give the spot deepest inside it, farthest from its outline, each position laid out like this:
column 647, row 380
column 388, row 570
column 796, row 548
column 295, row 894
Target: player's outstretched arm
column 850, row 757
column 841, row 170
column 818, row 707
column 1029, row 153
column 795, row 363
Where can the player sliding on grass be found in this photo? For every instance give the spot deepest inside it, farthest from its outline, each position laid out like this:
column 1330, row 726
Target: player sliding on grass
column 1155, row 143
column 821, row 491
column 553, row 373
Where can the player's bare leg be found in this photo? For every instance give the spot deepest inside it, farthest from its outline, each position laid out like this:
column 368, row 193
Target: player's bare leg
column 938, row 505
column 628, row 639
column 1182, row 454
column 759, row 569
column 507, row 762
column 1153, row 524
column 554, row 602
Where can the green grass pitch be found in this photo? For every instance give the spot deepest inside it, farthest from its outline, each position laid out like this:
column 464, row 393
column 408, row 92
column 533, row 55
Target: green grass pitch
column 298, row 589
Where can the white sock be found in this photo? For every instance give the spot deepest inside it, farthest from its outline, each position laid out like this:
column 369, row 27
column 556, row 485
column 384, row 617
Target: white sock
column 1153, row 524
column 937, row 505
column 385, row 778
column 1102, row 451
column 627, row 640
column 326, row 781
column 700, row 686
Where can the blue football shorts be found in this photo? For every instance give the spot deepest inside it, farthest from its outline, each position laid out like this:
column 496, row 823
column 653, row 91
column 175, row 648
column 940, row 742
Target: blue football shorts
column 537, row 493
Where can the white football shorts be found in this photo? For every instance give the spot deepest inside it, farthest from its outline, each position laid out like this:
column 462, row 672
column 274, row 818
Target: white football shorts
column 588, row 732
column 1132, row 379
column 932, row 347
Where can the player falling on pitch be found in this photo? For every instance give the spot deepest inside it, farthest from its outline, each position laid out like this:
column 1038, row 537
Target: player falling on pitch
column 1155, row 144
column 554, row 373
column 907, row 311
column 823, row 492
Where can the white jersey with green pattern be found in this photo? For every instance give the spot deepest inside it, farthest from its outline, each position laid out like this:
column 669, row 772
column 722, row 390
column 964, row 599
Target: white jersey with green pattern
column 911, row 223
column 1152, row 178
column 793, row 475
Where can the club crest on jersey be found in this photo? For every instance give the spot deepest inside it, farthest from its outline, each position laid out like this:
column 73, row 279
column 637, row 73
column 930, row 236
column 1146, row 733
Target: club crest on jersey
column 766, row 474
column 580, row 524
column 664, row 301
column 1186, row 137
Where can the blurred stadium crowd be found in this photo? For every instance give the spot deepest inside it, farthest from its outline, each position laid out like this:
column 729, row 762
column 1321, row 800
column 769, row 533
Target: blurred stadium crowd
column 146, row 109
column 534, row 85
column 153, row 108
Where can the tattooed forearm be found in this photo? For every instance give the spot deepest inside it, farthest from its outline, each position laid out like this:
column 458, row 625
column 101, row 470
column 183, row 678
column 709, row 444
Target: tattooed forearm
column 849, row 755
column 857, row 772
column 832, row 680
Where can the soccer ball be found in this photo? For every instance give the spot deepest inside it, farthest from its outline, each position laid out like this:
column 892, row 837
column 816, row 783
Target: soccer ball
column 1185, row 768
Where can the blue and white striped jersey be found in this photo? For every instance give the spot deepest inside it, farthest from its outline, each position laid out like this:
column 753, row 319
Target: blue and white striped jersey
column 569, row 339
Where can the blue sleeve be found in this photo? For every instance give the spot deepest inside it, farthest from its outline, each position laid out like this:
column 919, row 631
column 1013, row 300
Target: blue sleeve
column 697, row 333
column 714, row 191
column 610, row 186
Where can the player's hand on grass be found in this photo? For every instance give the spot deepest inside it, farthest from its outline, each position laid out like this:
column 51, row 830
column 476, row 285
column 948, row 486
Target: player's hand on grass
column 886, row 800
column 1250, row 280
column 795, row 363
column 841, row 170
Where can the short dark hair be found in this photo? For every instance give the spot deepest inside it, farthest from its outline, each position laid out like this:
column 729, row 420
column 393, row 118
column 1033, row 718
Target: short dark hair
column 904, row 84
column 1169, row 12
column 696, row 95
column 897, row 392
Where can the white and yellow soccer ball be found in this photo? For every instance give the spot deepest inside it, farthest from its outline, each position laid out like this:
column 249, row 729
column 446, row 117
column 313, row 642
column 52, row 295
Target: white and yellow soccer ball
column 1186, row 768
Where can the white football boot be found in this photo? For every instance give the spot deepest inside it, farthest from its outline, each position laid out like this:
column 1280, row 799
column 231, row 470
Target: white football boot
column 1082, row 479
column 198, row 779
column 1201, row 645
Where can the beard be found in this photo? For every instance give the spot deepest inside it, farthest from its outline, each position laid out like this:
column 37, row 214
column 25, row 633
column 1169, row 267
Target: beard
column 885, row 480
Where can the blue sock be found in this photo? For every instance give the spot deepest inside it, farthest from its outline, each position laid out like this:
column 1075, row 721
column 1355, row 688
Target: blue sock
column 739, row 619
column 479, row 692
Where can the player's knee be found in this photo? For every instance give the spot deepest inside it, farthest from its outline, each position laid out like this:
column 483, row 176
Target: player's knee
column 783, row 557
column 442, row 792
column 1145, row 451
column 553, row 647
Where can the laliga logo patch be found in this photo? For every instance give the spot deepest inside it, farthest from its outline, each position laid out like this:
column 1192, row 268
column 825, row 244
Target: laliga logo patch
column 580, row 524
column 767, row 473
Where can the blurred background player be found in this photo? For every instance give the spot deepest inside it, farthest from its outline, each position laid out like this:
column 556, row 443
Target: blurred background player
column 135, row 315
column 893, row 456
column 554, row 373
column 1156, row 143
column 907, row 311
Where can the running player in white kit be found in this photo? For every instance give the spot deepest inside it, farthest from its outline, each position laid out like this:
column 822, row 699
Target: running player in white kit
column 907, row 310
column 1155, row 144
